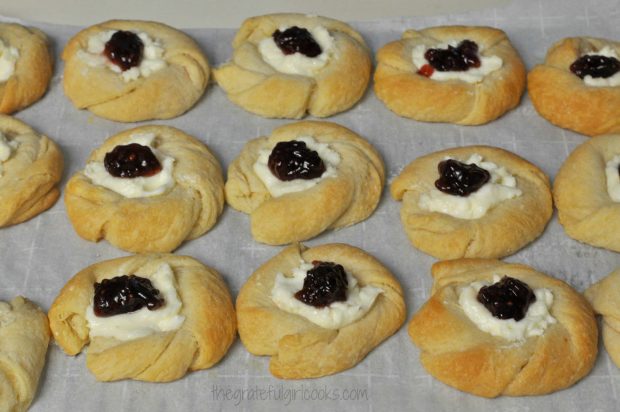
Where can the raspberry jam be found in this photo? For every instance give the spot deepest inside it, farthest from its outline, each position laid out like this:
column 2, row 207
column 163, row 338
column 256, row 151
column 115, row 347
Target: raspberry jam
column 324, row 284
column 507, row 299
column 296, row 40
column 294, row 160
column 460, row 58
column 125, row 294
column 595, row 66
column 124, row 49
column 132, row 160
column 460, row 179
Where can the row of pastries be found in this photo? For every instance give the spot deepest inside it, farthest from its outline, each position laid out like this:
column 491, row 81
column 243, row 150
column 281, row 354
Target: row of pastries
column 510, row 329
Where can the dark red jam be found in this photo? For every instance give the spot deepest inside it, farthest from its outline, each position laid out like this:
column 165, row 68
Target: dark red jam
column 125, row 294
column 324, row 284
column 124, row 49
column 297, row 40
column 294, row 160
column 453, row 59
column 460, row 179
column 595, row 66
column 132, row 160
column 507, row 299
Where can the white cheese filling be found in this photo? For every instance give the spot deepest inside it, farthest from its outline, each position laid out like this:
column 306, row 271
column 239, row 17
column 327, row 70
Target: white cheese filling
column 143, row 322
column 6, row 150
column 613, row 178
column 135, row 186
column 536, row 320
column 501, row 186
column 151, row 62
column 8, row 58
column 611, row 81
column 488, row 64
column 336, row 315
column 277, row 187
column 298, row 63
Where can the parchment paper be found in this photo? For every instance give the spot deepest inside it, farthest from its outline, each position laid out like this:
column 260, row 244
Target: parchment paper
column 37, row 257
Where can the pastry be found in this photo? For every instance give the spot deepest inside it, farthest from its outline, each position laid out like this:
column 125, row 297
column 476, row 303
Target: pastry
column 604, row 296
column 454, row 74
column 30, row 168
column 303, row 179
column 26, row 65
column 24, row 335
column 577, row 86
column 146, row 189
column 287, row 65
column 130, row 70
column 145, row 317
column 587, row 192
column 473, row 201
column 492, row 328
column 318, row 311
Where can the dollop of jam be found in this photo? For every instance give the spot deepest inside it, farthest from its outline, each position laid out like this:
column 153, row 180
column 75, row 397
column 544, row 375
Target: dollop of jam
column 296, row 40
column 453, row 59
column 294, row 160
column 324, row 284
column 595, row 66
column 124, row 49
column 460, row 179
column 507, row 299
column 131, row 160
column 125, row 294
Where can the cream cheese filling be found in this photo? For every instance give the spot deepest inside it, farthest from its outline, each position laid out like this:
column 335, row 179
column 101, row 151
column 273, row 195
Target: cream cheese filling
column 7, row 147
column 611, row 81
column 613, row 178
column 8, row 58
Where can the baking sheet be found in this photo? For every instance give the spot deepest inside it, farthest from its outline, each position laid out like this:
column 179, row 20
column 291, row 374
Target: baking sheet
column 37, row 257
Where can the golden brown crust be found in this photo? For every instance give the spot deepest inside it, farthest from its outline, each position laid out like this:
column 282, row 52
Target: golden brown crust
column 202, row 340
column 408, row 94
column 333, row 203
column 166, row 93
column 29, row 178
column 157, row 223
column 459, row 354
column 24, row 336
column 604, row 296
column 258, row 88
column 564, row 99
column 585, row 208
column 33, row 69
column 503, row 230
column 299, row 348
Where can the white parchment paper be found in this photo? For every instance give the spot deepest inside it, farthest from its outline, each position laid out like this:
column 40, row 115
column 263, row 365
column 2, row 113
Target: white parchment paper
column 37, row 257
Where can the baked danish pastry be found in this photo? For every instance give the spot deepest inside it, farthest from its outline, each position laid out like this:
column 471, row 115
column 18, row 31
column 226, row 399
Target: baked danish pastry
column 604, row 296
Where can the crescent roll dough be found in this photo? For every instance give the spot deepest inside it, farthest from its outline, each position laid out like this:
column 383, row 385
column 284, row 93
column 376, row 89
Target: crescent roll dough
column 165, row 93
column 201, row 341
column 29, row 176
column 156, row 223
column 32, row 70
column 502, row 230
column 564, row 99
column 24, row 335
column 252, row 83
column 411, row 95
column 604, row 296
column 334, row 202
column 455, row 351
column 585, row 208
column 300, row 348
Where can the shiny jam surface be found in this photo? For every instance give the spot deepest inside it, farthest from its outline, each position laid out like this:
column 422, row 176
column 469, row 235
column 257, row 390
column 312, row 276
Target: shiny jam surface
column 131, row 160
column 595, row 66
column 124, row 49
column 459, row 58
column 125, row 294
column 297, row 40
column 460, row 179
column 324, row 284
column 507, row 299
column 294, row 160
